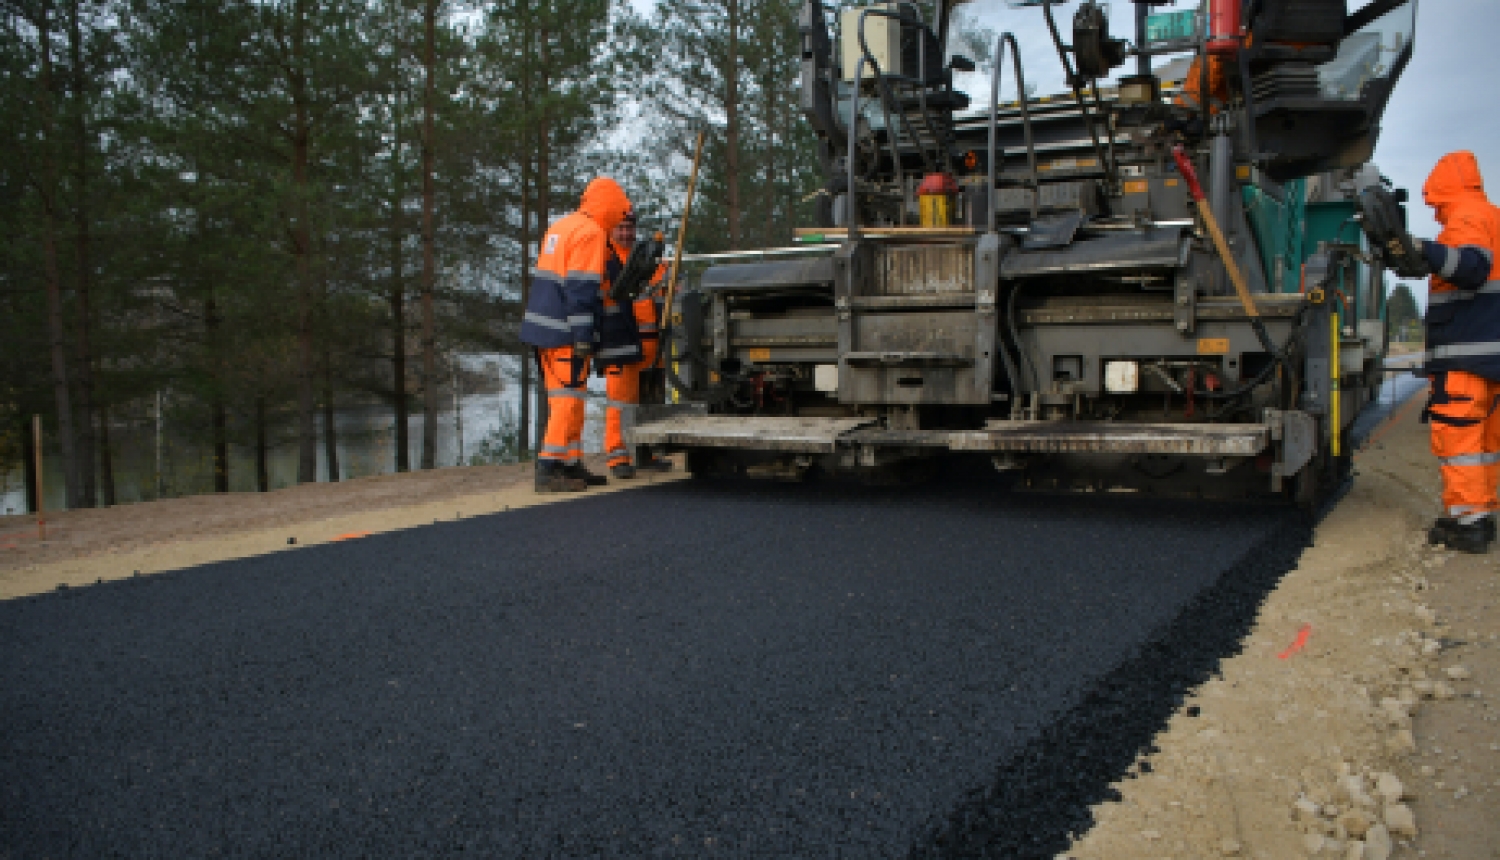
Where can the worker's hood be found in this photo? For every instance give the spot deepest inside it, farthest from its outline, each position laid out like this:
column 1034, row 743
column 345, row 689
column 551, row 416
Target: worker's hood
column 1454, row 180
column 605, row 202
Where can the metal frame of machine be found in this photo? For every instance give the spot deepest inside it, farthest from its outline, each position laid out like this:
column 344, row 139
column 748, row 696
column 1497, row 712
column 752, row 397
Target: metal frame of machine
column 1031, row 281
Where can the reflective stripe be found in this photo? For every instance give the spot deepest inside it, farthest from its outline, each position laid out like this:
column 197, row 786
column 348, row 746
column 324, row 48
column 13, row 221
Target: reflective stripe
column 580, row 275
column 546, row 322
column 1450, row 262
column 568, row 393
column 1470, row 460
column 580, row 319
column 1462, row 350
column 613, row 309
column 1489, row 256
column 614, row 452
column 555, row 449
column 647, row 328
column 619, row 350
column 543, row 275
column 1467, row 513
column 617, row 404
column 1490, row 288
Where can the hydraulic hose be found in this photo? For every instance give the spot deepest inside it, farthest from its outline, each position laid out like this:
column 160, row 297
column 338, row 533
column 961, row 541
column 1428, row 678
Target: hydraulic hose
column 1278, row 359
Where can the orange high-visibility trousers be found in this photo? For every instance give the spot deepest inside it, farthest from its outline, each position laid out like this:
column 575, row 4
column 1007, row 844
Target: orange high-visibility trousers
column 1466, row 441
column 622, row 385
column 565, row 405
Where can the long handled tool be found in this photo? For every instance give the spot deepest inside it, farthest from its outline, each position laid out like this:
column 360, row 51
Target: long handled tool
column 1185, row 167
column 687, row 209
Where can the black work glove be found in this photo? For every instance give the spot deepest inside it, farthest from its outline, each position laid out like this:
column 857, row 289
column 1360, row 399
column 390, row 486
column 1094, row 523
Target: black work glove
column 581, row 354
column 1384, row 223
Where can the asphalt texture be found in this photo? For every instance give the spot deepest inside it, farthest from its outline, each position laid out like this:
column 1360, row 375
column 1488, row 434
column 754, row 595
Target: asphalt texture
column 693, row 669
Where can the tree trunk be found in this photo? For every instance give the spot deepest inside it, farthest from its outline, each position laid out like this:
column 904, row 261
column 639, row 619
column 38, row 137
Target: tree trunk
column 429, row 261
column 732, row 125
column 106, row 460
column 262, row 470
column 28, row 454
column 87, row 479
column 524, row 428
column 398, row 306
column 543, row 207
column 307, row 433
column 398, row 356
column 330, row 431
column 53, row 277
column 218, row 412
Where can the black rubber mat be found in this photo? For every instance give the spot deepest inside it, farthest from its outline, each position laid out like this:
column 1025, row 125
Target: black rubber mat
column 687, row 670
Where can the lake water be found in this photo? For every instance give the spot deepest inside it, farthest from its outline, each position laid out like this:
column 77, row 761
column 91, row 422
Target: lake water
column 366, row 446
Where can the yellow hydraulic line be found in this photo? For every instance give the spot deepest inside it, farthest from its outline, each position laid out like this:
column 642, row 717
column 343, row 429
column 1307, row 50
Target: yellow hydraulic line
column 1333, row 387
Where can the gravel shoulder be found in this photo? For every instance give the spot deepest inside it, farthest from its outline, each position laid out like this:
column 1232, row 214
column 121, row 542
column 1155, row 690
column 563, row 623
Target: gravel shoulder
column 88, row 546
column 1377, row 737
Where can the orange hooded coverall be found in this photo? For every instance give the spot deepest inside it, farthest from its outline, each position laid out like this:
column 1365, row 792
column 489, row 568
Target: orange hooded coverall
column 622, row 383
column 1463, row 342
column 564, row 311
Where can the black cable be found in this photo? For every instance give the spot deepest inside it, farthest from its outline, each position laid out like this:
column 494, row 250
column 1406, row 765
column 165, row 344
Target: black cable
column 1278, row 358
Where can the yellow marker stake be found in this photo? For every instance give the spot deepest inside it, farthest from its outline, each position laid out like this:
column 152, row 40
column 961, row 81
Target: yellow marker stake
column 1333, row 388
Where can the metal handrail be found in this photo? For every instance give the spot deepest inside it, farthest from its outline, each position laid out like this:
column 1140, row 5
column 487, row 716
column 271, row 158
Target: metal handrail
column 1015, row 53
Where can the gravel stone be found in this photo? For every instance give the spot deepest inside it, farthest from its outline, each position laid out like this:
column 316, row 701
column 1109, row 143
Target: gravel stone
column 1356, row 822
column 1400, row 821
column 1378, row 844
column 788, row 671
column 1389, row 787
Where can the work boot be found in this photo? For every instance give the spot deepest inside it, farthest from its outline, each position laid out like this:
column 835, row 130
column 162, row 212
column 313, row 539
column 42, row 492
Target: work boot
column 622, row 471
column 1444, row 526
column 550, row 478
column 580, row 472
column 654, row 464
column 1473, row 537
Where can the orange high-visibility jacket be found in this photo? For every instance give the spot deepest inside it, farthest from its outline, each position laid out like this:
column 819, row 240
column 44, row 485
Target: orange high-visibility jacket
column 566, row 303
column 1463, row 320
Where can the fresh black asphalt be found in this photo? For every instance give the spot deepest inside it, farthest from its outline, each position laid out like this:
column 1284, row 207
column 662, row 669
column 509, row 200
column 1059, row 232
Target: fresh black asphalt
column 723, row 669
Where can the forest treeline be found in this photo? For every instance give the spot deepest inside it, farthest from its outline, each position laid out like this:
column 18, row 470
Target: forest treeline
column 251, row 213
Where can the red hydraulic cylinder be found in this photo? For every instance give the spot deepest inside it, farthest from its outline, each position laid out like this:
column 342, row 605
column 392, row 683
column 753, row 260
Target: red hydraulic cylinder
column 1224, row 27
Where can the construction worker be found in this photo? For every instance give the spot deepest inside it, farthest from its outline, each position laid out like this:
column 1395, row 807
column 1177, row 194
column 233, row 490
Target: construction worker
column 1463, row 352
column 623, row 382
column 562, row 322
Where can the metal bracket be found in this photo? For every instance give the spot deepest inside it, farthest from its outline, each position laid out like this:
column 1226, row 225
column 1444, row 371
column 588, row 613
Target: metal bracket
column 1297, row 435
column 1185, row 306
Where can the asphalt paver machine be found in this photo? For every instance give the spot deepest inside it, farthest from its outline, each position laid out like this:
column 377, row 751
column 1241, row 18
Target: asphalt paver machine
column 1154, row 281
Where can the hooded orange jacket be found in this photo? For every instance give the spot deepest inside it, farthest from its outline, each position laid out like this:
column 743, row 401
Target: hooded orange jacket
column 566, row 300
column 1463, row 324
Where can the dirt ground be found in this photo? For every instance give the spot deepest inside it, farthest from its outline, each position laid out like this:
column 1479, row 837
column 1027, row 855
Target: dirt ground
column 87, row 546
column 1361, row 720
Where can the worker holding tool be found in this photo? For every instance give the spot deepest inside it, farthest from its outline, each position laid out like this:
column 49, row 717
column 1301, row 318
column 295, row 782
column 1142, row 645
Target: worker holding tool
column 623, row 381
column 562, row 322
column 1463, row 337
